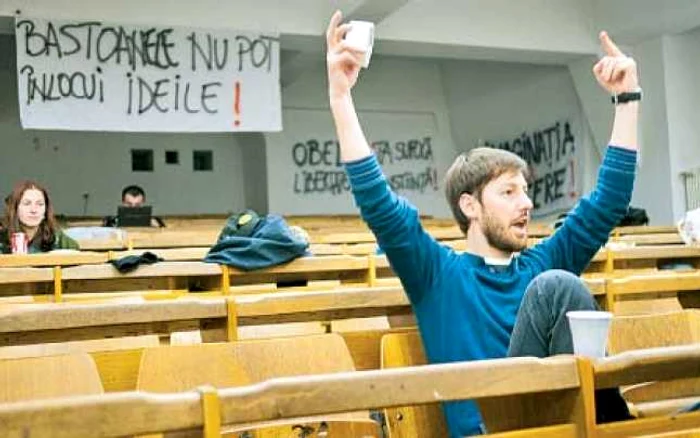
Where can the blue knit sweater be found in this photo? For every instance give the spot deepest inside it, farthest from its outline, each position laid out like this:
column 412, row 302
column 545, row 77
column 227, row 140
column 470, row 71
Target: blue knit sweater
column 465, row 309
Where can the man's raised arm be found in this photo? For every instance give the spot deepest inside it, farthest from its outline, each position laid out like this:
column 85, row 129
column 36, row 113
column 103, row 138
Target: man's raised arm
column 588, row 227
column 414, row 255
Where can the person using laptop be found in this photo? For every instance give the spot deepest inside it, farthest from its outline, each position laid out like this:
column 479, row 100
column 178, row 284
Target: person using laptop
column 133, row 196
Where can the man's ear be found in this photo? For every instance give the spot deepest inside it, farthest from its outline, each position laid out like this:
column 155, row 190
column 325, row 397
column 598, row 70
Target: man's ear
column 470, row 206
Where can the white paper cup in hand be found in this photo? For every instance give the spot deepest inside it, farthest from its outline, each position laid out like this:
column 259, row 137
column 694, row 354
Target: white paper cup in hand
column 361, row 37
column 589, row 331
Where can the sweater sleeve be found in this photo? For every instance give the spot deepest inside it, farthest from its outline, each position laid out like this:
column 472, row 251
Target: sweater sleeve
column 588, row 227
column 64, row 242
column 414, row 255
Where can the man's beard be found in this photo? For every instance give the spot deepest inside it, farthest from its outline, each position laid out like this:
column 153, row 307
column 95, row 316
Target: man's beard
column 499, row 236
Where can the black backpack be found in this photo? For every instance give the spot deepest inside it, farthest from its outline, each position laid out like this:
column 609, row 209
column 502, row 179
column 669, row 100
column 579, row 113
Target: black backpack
column 634, row 216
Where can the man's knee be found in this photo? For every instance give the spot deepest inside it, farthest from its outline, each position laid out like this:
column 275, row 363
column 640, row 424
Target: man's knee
column 559, row 286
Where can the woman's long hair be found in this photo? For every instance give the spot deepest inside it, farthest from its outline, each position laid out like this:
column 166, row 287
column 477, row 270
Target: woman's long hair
column 46, row 233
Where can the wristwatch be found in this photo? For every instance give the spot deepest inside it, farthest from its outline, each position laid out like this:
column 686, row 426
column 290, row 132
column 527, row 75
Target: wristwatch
column 628, row 96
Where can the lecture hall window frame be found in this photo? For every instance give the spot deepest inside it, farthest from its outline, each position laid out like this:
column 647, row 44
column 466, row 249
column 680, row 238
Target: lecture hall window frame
column 172, row 157
column 142, row 160
column 203, row 160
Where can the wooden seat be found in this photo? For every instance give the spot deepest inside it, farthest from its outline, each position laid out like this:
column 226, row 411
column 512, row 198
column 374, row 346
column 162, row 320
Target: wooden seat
column 650, row 331
column 178, row 368
column 48, row 377
column 402, row 350
column 115, row 415
column 500, row 414
column 183, row 368
column 655, row 364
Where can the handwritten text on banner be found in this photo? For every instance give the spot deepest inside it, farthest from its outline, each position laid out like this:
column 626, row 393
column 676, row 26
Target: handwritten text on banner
column 92, row 75
column 550, row 154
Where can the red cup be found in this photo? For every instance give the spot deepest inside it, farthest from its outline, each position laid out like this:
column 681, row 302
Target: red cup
column 19, row 243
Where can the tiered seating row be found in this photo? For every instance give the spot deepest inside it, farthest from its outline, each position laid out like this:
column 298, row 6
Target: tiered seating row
column 519, row 388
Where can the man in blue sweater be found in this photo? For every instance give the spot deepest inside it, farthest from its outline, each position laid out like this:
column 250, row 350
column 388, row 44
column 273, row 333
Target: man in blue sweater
column 498, row 298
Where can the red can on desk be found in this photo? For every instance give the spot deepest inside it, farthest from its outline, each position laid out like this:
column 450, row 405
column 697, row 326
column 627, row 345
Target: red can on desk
column 19, row 243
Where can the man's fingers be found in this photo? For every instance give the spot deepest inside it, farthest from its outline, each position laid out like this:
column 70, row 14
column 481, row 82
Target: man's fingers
column 606, row 71
column 331, row 31
column 341, row 31
column 350, row 59
column 609, row 46
column 618, row 73
column 598, row 67
column 344, row 46
column 621, row 68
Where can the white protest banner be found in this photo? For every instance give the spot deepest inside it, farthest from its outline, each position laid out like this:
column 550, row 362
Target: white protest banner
column 551, row 155
column 93, row 75
column 306, row 174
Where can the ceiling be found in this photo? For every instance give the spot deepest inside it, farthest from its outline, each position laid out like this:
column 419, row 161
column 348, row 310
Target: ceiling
column 533, row 31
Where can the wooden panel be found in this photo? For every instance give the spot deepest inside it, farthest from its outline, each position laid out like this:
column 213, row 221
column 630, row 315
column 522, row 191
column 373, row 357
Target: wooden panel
column 314, row 264
column 267, row 358
column 46, row 377
column 183, row 368
column 365, row 346
column 658, row 252
column 227, row 365
column 402, row 350
column 101, row 244
column 162, row 269
column 118, row 369
column 657, row 282
column 559, row 431
column 138, row 413
column 651, row 426
column 646, row 229
column 649, row 331
column 267, row 331
column 652, row 239
column 664, row 407
column 109, row 415
column 400, row 386
column 326, row 305
column 72, row 347
column 97, row 332
column 54, row 317
column 647, row 365
column 52, row 259
column 60, row 322
column 25, row 275
column 169, row 255
column 164, row 238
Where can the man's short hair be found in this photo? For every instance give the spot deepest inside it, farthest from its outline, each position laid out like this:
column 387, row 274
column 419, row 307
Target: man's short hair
column 472, row 171
column 134, row 191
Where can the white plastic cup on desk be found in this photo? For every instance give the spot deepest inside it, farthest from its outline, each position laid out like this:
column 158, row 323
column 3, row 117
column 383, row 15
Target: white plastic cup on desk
column 589, row 331
column 361, row 37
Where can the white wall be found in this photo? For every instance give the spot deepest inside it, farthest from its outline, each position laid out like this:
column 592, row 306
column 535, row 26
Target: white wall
column 669, row 129
column 682, row 62
column 498, row 101
column 465, row 101
column 653, row 185
column 254, row 165
column 390, row 88
column 72, row 164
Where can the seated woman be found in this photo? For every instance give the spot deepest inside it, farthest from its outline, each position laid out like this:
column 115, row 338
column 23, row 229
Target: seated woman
column 28, row 210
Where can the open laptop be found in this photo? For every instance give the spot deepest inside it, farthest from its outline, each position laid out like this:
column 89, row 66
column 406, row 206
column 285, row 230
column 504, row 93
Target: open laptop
column 134, row 216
